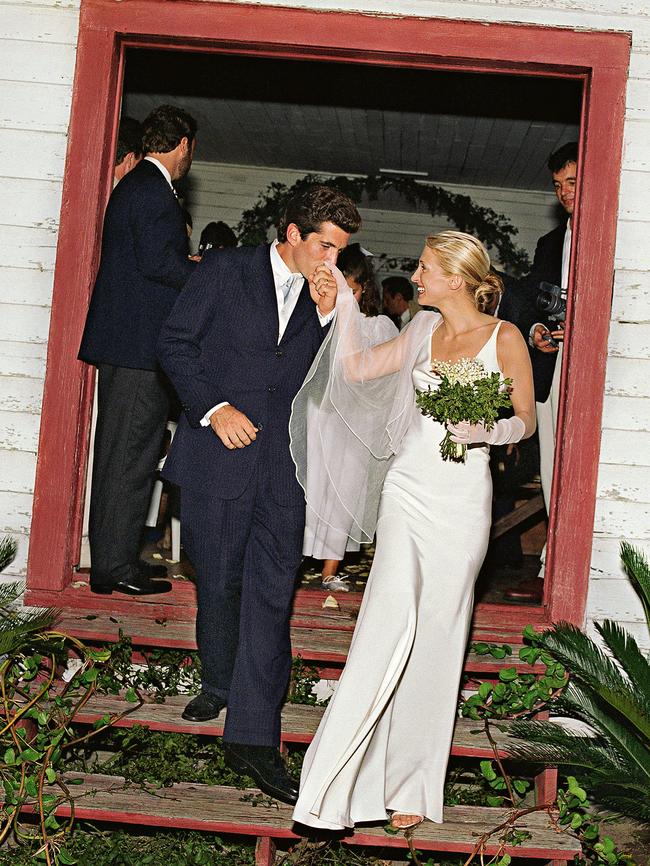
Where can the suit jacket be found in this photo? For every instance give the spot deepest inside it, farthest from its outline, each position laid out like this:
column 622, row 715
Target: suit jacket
column 518, row 304
column 219, row 344
column 143, row 266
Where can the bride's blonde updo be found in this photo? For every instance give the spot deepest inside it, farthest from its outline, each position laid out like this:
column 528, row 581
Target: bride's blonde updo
column 464, row 255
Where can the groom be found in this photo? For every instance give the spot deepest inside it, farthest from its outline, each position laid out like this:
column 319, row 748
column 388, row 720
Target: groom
column 237, row 347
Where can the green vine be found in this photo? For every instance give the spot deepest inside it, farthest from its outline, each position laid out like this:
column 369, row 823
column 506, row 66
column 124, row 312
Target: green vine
column 492, row 228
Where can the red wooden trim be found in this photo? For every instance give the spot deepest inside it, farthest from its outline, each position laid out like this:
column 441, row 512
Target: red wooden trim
column 265, row 851
column 599, row 58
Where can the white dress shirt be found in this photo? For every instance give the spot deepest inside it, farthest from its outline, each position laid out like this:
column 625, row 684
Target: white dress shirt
column 281, row 276
column 163, row 171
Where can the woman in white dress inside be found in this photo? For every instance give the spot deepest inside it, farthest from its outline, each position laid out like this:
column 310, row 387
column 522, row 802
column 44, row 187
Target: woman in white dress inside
column 383, row 744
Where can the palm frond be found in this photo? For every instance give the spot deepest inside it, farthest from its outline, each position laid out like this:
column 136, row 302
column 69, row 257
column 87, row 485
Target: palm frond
column 21, row 626
column 630, row 800
column 589, row 664
column 8, row 547
column 626, row 651
column 550, row 743
column 609, row 776
column 581, row 656
column 9, row 593
column 580, row 702
column 637, row 569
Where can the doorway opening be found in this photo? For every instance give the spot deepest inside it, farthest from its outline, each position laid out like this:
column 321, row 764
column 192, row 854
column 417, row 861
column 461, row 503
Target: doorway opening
column 579, row 75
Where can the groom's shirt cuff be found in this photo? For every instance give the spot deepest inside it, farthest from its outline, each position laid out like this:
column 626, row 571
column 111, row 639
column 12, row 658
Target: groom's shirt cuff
column 205, row 421
column 325, row 320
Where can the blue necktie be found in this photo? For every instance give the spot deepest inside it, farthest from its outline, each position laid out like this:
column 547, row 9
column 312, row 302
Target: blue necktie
column 290, row 283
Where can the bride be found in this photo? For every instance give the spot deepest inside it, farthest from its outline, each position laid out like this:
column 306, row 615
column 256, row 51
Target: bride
column 383, row 744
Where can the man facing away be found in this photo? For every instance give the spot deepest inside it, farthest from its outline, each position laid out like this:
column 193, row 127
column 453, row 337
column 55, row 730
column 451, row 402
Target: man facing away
column 144, row 264
column 237, row 346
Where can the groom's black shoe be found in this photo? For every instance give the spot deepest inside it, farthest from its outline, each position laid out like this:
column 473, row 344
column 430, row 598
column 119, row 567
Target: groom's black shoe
column 130, row 584
column 265, row 765
column 203, row 707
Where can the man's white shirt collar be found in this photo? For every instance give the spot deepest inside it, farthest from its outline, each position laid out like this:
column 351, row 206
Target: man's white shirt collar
column 281, row 272
column 164, row 171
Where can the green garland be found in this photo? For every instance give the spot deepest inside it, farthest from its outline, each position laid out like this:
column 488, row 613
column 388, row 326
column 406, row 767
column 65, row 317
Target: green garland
column 492, row 228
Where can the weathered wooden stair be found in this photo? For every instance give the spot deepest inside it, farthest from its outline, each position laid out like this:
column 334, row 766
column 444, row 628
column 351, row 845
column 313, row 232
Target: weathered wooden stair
column 322, row 638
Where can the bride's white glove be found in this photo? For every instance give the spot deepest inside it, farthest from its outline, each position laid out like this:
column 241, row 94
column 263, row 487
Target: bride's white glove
column 505, row 432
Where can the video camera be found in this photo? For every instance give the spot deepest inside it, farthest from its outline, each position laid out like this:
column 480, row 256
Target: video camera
column 551, row 300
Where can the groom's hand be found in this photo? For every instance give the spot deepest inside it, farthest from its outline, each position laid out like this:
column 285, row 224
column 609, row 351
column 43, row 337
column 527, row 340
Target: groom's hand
column 233, row 427
column 323, row 289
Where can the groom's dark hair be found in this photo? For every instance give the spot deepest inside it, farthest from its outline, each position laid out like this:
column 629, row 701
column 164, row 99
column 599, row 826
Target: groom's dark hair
column 317, row 204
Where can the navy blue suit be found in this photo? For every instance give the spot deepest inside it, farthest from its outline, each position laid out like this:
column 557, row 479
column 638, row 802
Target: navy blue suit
column 242, row 510
column 143, row 266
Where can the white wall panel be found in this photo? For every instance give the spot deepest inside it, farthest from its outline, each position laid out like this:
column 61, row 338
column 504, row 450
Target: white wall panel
column 40, row 156
column 53, row 64
column 28, row 322
column 20, row 394
column 26, row 286
column 19, row 431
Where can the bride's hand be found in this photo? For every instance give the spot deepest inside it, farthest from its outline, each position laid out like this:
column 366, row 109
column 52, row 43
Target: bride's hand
column 504, row 432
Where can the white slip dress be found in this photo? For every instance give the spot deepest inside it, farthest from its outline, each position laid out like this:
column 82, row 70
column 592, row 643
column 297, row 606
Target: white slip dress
column 384, row 741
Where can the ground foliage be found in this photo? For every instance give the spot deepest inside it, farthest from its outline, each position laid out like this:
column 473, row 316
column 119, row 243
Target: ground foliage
column 492, row 228
column 609, row 689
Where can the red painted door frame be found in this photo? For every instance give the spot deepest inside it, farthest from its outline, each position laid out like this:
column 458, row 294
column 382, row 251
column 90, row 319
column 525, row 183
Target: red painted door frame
column 598, row 59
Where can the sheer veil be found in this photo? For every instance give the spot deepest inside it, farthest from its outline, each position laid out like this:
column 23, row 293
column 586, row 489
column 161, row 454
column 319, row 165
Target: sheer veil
column 350, row 416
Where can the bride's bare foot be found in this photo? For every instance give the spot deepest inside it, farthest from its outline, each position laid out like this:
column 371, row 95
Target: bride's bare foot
column 402, row 821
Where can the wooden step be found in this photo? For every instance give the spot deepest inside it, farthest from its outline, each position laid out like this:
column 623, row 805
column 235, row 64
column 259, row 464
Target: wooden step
column 299, row 723
column 247, row 812
column 313, row 644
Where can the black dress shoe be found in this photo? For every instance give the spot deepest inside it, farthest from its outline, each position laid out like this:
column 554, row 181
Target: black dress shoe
column 131, row 585
column 202, row 708
column 148, row 569
column 265, row 765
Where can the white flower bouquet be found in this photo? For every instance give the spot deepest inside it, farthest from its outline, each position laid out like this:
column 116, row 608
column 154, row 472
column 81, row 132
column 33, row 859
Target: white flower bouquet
column 467, row 392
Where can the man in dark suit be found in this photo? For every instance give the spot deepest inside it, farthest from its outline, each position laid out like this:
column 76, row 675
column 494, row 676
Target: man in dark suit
column 546, row 339
column 237, row 347
column 144, row 264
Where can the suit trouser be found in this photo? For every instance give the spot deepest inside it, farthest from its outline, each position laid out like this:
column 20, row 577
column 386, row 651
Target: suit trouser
column 246, row 553
column 132, row 413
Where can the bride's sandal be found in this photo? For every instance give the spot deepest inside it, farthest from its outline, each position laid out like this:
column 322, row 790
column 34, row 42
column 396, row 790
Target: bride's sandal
column 397, row 817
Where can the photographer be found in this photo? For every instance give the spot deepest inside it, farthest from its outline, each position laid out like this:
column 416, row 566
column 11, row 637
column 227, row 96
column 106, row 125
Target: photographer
column 539, row 309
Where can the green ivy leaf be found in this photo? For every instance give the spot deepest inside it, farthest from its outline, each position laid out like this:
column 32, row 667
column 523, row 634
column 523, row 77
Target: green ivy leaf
column 493, row 800
column 65, row 858
column 487, row 770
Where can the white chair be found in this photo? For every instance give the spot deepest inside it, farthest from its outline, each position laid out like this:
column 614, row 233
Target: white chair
column 154, row 504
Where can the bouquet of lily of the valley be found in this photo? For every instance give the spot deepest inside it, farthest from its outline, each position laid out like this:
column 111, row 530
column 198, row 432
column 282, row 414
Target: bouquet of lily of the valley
column 467, row 392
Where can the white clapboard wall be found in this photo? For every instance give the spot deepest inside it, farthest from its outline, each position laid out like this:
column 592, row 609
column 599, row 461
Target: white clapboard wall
column 37, row 50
